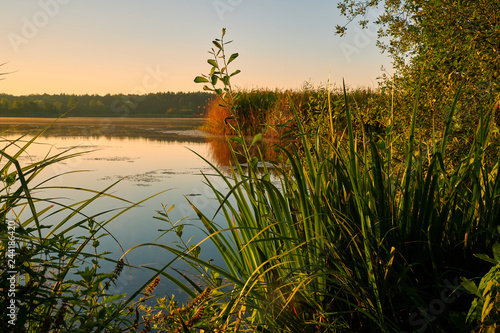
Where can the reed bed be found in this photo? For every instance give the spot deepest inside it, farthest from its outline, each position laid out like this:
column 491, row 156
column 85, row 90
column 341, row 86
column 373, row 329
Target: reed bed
column 348, row 238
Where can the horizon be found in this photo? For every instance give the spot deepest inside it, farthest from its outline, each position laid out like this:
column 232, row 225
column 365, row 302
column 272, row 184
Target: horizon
column 348, row 88
column 123, row 47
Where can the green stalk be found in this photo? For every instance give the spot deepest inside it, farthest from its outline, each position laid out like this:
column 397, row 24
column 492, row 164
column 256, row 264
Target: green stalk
column 364, row 222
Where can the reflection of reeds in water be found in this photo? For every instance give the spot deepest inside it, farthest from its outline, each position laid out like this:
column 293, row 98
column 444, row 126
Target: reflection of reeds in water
column 220, row 150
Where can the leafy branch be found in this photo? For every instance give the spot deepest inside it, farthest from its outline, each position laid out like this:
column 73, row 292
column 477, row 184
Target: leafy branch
column 219, row 72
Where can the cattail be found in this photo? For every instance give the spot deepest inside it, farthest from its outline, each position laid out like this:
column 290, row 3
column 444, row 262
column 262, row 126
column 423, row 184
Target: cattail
column 197, row 317
column 116, row 273
column 118, row 269
column 201, row 297
column 197, row 300
column 151, row 287
column 60, row 313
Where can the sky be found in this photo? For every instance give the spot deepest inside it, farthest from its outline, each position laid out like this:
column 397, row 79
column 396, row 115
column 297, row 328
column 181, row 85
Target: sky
column 149, row 46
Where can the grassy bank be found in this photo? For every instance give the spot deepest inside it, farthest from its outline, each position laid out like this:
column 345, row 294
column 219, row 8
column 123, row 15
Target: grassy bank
column 375, row 221
column 353, row 239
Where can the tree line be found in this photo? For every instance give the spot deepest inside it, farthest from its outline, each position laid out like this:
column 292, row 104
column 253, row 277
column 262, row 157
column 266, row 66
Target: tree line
column 164, row 104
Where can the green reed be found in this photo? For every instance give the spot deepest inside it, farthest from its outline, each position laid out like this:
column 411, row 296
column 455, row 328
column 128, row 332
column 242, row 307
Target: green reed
column 342, row 236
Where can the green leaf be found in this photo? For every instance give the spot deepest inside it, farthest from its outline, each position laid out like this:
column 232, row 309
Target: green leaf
column 213, row 63
column 11, row 179
column 179, row 230
column 470, row 287
column 485, row 257
column 496, row 252
column 232, row 57
column 256, row 138
column 214, row 80
column 113, row 298
column 207, row 88
column 237, row 139
column 200, row 79
column 217, row 44
column 235, row 72
column 254, row 162
column 195, row 250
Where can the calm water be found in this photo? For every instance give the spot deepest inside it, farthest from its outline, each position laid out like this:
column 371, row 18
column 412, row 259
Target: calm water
column 146, row 156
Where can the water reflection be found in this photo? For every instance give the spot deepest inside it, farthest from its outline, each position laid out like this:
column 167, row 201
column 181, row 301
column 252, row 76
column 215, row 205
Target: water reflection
column 221, row 154
column 157, row 129
column 148, row 156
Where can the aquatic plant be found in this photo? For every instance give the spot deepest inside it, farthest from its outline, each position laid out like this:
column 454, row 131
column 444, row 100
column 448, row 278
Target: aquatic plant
column 347, row 237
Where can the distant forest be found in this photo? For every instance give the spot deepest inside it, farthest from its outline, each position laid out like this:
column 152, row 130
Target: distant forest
column 168, row 104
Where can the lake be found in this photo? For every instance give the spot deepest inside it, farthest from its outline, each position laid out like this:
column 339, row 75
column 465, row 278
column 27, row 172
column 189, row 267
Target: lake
column 145, row 156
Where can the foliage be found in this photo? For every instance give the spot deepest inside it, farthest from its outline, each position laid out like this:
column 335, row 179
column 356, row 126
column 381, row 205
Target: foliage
column 344, row 235
column 440, row 45
column 257, row 110
column 343, row 241
column 219, row 72
column 209, row 306
column 485, row 309
column 354, row 226
column 217, row 115
column 166, row 104
column 176, row 319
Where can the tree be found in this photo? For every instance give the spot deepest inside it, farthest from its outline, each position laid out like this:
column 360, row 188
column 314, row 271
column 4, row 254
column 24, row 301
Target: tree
column 72, row 102
column 18, row 104
column 441, row 45
column 4, row 104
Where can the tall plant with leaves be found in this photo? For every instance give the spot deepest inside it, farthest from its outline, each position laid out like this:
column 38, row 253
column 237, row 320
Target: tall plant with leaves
column 343, row 237
column 219, row 73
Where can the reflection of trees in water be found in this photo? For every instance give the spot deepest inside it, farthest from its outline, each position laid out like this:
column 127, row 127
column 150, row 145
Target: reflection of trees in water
column 162, row 130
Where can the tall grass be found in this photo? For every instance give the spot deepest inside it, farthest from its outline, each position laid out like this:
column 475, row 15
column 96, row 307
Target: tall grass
column 361, row 230
column 346, row 238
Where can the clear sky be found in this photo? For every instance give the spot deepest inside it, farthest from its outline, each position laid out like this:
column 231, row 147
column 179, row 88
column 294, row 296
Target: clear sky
column 148, row 46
